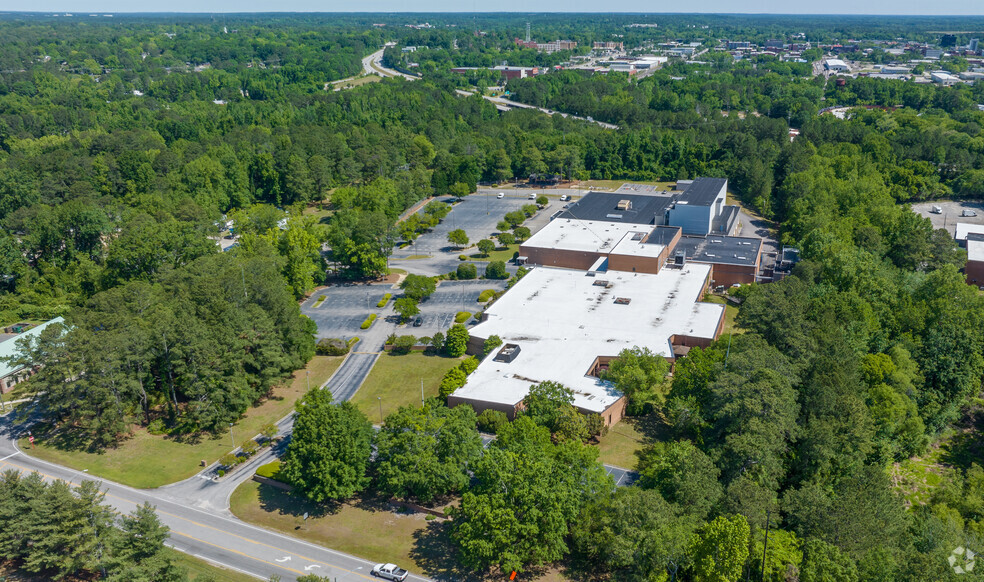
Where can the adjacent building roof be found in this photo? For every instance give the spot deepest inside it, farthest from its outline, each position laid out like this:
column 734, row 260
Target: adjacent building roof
column 729, row 250
column 975, row 247
column 964, row 229
column 703, row 191
column 604, row 206
column 9, row 348
column 582, row 235
column 563, row 320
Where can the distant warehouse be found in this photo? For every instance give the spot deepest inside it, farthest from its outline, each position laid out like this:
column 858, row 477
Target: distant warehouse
column 837, row 66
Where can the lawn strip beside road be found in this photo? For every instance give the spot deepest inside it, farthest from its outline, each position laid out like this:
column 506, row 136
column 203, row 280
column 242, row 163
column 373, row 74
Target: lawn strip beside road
column 147, row 461
column 395, row 380
column 202, row 570
column 504, row 254
column 369, row 529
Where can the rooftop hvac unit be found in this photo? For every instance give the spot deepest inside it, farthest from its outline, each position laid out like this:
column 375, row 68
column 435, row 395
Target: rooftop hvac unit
column 680, row 259
column 624, row 205
column 623, row 300
column 600, row 283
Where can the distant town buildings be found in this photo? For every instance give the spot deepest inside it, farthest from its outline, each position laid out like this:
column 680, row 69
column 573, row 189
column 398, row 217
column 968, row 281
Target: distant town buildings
column 548, row 47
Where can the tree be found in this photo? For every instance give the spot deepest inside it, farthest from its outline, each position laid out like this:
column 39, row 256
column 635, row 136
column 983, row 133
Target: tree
column 502, row 226
column 424, row 454
column 506, row 239
column 458, row 238
column 544, row 402
column 529, row 210
column 823, row 562
column 456, row 341
column 521, row 233
column 491, row 343
column 515, row 218
column 719, row 550
column 542, row 200
column 406, row 307
column 403, row 344
column 683, row 474
column 329, row 450
column 139, row 553
column 437, row 342
column 526, row 494
column 485, row 246
column 640, row 375
column 496, row 270
column 634, row 535
column 418, row 287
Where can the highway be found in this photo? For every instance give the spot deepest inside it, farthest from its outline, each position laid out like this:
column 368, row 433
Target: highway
column 504, row 104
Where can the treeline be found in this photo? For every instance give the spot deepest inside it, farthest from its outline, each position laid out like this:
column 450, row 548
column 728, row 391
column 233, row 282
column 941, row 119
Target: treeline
column 56, row 531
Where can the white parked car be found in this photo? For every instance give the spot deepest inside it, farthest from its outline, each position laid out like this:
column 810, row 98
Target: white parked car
column 390, row 572
column 501, row 195
column 532, row 196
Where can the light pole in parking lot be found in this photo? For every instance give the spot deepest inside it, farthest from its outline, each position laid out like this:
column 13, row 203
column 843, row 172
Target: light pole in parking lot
column 379, row 399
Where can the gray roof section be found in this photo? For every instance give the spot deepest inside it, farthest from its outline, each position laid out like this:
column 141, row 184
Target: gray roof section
column 603, row 206
column 662, row 235
column 725, row 250
column 703, row 191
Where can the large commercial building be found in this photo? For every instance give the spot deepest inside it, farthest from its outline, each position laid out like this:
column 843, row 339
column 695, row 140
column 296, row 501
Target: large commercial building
column 566, row 325
column 642, row 232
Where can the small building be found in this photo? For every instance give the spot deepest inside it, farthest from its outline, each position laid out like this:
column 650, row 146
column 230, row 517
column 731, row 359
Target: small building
column 837, row 66
column 974, row 269
column 944, row 78
column 12, row 374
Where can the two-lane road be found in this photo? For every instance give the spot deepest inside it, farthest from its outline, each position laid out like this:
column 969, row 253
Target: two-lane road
column 205, row 534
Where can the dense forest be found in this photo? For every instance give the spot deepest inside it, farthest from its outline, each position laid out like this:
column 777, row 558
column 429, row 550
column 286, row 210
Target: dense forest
column 126, row 147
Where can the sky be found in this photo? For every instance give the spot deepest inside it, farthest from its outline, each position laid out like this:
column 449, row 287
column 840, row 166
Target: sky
column 894, row 7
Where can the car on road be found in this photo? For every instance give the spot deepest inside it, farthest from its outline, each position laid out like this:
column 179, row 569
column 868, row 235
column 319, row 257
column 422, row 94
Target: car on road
column 501, row 195
column 390, row 572
column 532, row 196
column 968, row 212
column 564, row 197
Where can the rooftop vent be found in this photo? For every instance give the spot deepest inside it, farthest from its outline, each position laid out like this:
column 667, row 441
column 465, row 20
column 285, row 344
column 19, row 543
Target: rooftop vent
column 623, row 300
column 602, row 283
column 624, row 205
column 508, row 353
column 638, row 235
column 614, row 216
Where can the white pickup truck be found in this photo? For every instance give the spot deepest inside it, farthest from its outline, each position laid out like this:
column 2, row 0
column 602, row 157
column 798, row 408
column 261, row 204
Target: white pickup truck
column 390, row 572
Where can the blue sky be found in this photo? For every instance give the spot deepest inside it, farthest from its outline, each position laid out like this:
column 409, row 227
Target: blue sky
column 900, row 7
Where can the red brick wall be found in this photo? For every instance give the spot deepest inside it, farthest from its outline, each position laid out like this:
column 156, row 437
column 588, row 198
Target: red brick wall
column 975, row 273
column 559, row 258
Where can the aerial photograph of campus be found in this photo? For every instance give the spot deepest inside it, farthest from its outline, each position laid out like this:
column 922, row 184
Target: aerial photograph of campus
column 531, row 291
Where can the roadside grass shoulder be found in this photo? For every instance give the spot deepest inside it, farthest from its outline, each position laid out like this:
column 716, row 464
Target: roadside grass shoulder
column 395, row 381
column 147, row 461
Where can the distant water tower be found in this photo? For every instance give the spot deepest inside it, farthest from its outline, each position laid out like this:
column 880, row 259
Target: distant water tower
column 527, row 32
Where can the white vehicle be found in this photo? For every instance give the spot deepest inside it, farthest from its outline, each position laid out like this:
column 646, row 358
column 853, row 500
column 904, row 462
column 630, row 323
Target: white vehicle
column 532, row 196
column 390, row 572
column 501, row 195
column 936, row 209
column 969, row 213
column 564, row 197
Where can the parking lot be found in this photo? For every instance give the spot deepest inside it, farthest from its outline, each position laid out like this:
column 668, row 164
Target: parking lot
column 345, row 308
column 950, row 216
column 477, row 215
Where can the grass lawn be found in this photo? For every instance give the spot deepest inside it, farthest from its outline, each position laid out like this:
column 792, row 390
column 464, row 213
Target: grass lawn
column 730, row 312
column 356, row 82
column 147, row 460
column 395, row 379
column 499, row 254
column 368, row 528
column 201, row 570
column 620, row 445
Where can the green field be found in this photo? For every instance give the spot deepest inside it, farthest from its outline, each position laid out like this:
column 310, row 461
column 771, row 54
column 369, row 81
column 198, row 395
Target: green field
column 499, row 254
column 730, row 312
column 620, row 446
column 147, row 460
column 395, row 382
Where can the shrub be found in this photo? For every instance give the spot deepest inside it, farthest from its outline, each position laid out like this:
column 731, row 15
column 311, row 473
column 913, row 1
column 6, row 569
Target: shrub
column 515, row 218
column 270, row 470
column 486, row 295
column 229, row 460
column 454, row 378
column 351, row 342
column 529, row 209
column 491, row 421
column 467, row 271
column 542, row 200
column 496, row 270
column 491, row 343
column 157, row 427
column 430, row 517
column 469, row 365
column 462, row 317
column 437, row 342
column 331, row 346
column 456, row 341
column 462, row 257
column 249, row 447
column 368, row 322
column 403, row 344
column 221, row 473
column 269, row 430
column 382, row 302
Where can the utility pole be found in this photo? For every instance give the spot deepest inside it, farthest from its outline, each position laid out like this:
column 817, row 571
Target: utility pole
column 379, row 399
column 231, row 437
column 421, row 393
column 765, row 545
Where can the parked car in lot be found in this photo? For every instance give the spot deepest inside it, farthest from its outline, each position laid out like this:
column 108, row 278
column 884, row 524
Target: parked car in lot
column 418, row 322
column 936, row 209
column 564, row 197
column 390, row 572
column 968, row 212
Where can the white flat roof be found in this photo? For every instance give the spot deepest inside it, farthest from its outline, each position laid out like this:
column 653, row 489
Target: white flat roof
column 633, row 245
column 965, row 228
column 583, row 235
column 562, row 322
column 975, row 250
